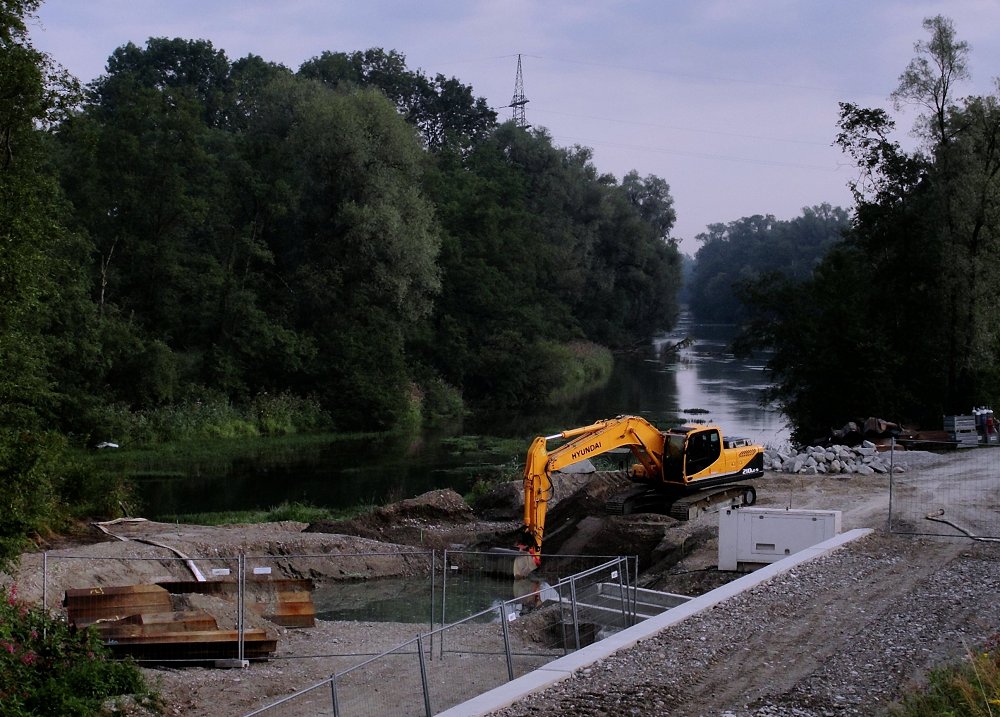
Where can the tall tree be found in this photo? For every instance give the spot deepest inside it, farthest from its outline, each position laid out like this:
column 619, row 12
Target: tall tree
column 929, row 79
column 33, row 242
column 41, row 323
column 740, row 252
column 443, row 110
column 924, row 238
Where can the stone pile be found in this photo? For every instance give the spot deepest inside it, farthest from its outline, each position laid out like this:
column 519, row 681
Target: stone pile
column 863, row 460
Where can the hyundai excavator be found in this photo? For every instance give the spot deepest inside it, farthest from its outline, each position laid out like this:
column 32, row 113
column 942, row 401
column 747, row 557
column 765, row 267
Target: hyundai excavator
column 679, row 472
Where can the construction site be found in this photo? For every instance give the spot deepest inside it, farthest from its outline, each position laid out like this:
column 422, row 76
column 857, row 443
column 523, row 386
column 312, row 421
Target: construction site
column 410, row 611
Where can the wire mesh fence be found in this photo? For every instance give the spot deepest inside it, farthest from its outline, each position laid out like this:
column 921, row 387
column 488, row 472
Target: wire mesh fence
column 475, row 654
column 472, row 581
column 956, row 495
column 444, row 628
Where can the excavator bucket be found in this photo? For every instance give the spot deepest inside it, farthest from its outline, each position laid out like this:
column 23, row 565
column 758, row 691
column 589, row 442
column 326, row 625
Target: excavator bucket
column 516, row 563
column 524, row 565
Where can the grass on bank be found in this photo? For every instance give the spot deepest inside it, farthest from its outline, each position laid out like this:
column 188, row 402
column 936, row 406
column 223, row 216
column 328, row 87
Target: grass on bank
column 584, row 366
column 209, row 416
column 968, row 689
column 293, row 511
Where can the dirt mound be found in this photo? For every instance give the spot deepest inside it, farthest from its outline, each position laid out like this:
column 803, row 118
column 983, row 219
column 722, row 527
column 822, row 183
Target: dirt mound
column 436, row 519
column 506, row 501
column 578, row 524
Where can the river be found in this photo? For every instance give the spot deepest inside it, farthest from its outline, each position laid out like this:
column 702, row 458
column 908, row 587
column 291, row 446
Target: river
column 702, row 382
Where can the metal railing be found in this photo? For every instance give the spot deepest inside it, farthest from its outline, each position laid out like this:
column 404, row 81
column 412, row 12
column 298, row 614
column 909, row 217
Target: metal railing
column 475, row 654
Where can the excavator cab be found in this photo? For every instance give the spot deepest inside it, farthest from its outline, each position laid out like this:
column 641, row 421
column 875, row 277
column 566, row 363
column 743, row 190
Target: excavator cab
column 703, row 449
column 673, row 458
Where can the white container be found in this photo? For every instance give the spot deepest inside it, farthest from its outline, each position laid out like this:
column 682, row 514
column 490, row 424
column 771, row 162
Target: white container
column 751, row 537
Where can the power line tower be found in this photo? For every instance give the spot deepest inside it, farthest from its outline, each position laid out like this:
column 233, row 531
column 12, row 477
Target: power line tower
column 518, row 102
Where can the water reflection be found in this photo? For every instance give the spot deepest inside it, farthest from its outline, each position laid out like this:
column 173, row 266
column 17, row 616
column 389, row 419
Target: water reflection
column 710, row 378
column 701, row 381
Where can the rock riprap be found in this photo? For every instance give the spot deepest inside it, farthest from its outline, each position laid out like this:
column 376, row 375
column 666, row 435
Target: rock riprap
column 865, row 459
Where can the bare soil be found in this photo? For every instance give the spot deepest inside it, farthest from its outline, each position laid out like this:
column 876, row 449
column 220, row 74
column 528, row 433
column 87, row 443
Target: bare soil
column 674, row 556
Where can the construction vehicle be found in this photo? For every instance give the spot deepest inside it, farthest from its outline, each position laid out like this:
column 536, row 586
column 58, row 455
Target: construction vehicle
column 679, row 472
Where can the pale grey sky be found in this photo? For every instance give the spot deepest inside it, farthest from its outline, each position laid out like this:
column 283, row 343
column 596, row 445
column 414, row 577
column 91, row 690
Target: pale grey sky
column 732, row 102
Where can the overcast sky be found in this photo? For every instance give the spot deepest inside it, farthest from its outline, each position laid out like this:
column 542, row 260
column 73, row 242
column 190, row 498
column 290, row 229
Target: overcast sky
column 733, row 103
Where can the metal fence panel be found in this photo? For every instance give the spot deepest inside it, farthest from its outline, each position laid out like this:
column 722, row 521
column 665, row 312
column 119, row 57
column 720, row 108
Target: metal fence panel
column 250, row 607
column 478, row 653
column 475, row 581
column 957, row 494
column 360, row 691
column 473, row 660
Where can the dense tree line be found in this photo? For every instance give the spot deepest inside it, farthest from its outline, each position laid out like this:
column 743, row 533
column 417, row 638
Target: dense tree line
column 901, row 319
column 353, row 231
column 735, row 255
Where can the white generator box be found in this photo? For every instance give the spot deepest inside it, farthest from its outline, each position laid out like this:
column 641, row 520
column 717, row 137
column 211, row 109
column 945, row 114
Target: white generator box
column 751, row 537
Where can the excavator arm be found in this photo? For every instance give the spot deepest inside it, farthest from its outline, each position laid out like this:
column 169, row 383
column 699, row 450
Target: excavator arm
column 644, row 439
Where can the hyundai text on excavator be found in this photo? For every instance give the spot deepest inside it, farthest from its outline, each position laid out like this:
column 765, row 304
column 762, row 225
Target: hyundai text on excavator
column 679, row 472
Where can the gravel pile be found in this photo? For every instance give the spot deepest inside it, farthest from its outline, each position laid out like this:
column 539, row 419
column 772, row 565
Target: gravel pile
column 842, row 635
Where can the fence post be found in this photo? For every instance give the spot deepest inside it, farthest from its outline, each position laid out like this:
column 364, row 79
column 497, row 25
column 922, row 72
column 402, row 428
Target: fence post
column 241, row 567
column 506, row 641
column 576, row 622
column 444, row 601
column 892, row 471
column 562, row 613
column 433, row 578
column 621, row 592
column 333, row 695
column 423, row 676
column 635, row 588
column 45, row 581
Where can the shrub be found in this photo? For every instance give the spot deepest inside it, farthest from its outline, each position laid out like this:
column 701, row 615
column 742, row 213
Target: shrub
column 583, row 366
column 28, row 470
column 47, row 668
column 208, row 415
column 283, row 414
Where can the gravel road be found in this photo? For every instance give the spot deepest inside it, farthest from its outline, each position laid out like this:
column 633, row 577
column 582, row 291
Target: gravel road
column 842, row 635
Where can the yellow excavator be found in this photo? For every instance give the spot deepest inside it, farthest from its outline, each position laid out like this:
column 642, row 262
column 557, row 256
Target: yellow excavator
column 680, row 472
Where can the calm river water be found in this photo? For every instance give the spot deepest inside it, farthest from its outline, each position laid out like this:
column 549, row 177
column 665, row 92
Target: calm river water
column 702, row 382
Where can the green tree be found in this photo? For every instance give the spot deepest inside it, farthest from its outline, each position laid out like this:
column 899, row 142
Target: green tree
column 741, row 252
column 539, row 250
column 444, row 111
column 33, row 91
column 923, row 240
column 42, row 322
column 930, row 77
column 363, row 246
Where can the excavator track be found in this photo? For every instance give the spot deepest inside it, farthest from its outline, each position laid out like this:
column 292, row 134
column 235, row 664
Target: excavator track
column 691, row 506
column 641, row 499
